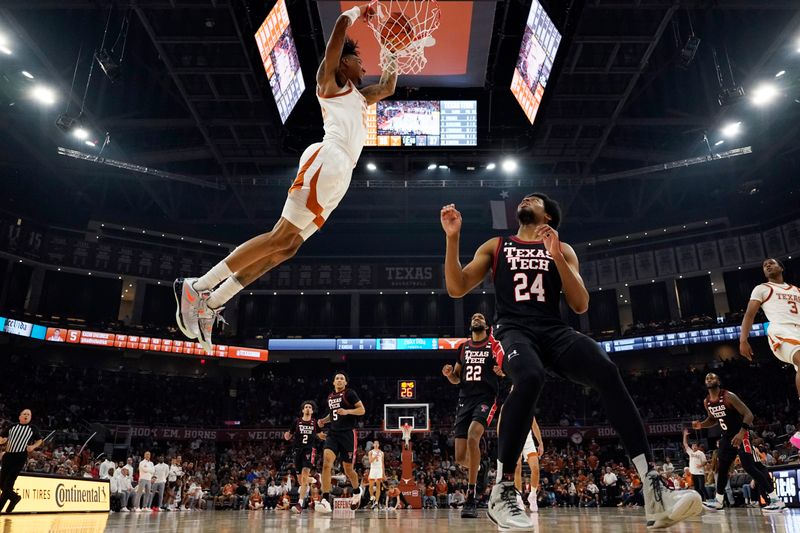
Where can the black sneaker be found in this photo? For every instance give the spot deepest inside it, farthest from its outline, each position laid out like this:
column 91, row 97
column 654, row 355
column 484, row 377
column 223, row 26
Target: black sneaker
column 469, row 510
column 14, row 499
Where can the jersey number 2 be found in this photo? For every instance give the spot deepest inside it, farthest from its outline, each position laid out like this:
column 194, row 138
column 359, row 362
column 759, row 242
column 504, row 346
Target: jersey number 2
column 305, row 439
column 522, row 292
column 473, row 373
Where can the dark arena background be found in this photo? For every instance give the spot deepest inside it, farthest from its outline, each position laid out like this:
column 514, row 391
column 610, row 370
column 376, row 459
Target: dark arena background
column 144, row 140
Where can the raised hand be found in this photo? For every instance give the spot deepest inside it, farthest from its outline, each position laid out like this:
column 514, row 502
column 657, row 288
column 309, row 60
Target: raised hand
column 451, row 220
column 549, row 237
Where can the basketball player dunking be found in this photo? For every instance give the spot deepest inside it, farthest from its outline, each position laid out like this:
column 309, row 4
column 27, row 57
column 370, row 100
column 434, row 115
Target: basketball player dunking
column 304, row 433
column 474, row 374
column 734, row 418
column 530, row 270
column 781, row 303
column 344, row 406
column 321, row 183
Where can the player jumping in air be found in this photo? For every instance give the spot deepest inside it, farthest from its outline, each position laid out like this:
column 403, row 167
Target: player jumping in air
column 304, row 433
column 344, row 406
column 322, row 180
column 781, row 303
column 531, row 269
column 474, row 374
column 734, row 418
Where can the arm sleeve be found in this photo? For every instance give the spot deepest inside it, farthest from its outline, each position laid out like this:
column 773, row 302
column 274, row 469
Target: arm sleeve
column 760, row 293
column 352, row 397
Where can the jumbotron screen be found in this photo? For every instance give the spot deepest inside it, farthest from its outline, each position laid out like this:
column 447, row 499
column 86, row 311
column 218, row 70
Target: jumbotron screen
column 535, row 62
column 279, row 56
column 423, row 123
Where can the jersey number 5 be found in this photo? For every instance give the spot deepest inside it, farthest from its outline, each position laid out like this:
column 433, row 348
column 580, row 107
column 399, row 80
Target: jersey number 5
column 522, row 292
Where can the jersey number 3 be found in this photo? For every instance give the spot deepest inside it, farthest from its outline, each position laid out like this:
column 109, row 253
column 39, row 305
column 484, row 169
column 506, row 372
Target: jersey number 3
column 522, row 292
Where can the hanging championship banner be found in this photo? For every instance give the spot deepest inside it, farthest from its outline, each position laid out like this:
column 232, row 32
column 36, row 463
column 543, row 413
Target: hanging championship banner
column 773, row 242
column 752, row 247
column 687, row 258
column 625, row 268
column 731, row 251
column 665, row 262
column 708, row 254
column 645, row 265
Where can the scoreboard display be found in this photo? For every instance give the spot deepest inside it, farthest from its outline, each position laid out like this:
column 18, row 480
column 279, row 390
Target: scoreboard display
column 422, row 123
column 786, row 480
column 407, row 389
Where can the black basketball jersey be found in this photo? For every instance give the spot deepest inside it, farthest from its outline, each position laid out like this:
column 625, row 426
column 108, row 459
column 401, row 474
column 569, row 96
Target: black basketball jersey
column 526, row 281
column 304, row 432
column 346, row 399
column 730, row 420
column 477, row 369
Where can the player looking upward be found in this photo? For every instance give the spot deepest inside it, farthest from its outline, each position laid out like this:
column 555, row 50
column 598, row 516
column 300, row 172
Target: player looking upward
column 474, row 374
column 340, row 441
column 781, row 303
column 322, row 180
column 531, row 269
column 304, row 433
column 734, row 418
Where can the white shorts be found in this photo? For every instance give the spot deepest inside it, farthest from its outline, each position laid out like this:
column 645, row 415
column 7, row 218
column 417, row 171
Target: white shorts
column 529, row 448
column 375, row 472
column 784, row 339
column 322, row 181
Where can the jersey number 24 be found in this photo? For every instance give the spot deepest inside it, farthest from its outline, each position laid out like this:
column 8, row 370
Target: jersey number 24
column 523, row 291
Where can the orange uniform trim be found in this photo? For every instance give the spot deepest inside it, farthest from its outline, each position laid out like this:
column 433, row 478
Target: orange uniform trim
column 298, row 181
column 312, row 203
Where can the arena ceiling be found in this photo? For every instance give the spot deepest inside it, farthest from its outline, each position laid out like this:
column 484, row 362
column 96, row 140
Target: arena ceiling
column 194, row 103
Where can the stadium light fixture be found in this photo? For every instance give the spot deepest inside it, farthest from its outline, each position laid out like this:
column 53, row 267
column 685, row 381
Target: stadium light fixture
column 491, row 166
column 719, row 142
column 764, row 94
column 731, row 130
column 43, row 95
column 27, row 74
column 432, row 166
column 443, row 167
column 780, row 74
column 93, row 144
column 6, row 50
column 509, row 165
column 80, row 133
column 371, row 167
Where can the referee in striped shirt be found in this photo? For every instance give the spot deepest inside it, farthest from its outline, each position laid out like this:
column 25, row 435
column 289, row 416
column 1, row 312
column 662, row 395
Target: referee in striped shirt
column 20, row 440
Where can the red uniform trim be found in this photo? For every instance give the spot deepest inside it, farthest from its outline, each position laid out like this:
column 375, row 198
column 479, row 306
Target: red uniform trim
column 497, row 350
column 517, row 239
column 496, row 255
column 355, row 447
column 491, row 414
column 298, row 181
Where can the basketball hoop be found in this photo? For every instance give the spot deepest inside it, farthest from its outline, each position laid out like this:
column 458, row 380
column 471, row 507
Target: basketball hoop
column 404, row 29
column 406, row 430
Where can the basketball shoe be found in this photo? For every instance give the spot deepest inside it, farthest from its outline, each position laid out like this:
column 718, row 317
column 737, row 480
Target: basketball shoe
column 775, row 506
column 206, row 318
column 713, row 505
column 504, row 510
column 188, row 302
column 470, row 509
column 534, row 507
column 323, row 506
column 664, row 507
column 355, row 501
column 795, row 440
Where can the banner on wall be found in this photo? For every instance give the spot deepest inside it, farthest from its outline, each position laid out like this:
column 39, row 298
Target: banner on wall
column 645, row 265
column 752, row 247
column 773, row 242
column 708, row 254
column 687, row 258
column 625, row 268
column 791, row 236
column 731, row 251
column 606, row 271
column 589, row 273
column 665, row 262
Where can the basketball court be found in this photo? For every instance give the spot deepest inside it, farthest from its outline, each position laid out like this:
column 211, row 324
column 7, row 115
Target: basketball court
column 588, row 520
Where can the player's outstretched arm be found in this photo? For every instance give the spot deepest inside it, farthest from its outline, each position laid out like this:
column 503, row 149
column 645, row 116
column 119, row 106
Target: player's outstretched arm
column 460, row 280
column 385, row 86
column 326, row 73
column 747, row 324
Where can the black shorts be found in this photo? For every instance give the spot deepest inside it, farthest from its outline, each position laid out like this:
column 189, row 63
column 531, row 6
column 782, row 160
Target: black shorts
column 480, row 409
column 305, row 458
column 549, row 339
column 343, row 444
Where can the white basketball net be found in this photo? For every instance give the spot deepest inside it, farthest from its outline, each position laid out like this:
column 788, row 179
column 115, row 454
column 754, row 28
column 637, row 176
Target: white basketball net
column 406, row 429
column 405, row 54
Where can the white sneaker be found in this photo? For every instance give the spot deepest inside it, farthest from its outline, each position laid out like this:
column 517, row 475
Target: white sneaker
column 355, row 501
column 124, row 510
column 188, row 302
column 713, row 505
column 206, row 319
column 775, row 506
column 534, row 506
column 664, row 507
column 504, row 510
column 323, row 506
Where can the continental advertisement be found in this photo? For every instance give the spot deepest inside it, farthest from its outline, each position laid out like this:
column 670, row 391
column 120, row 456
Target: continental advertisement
column 53, row 494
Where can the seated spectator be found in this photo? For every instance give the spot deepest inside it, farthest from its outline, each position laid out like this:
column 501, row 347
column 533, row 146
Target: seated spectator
column 256, row 502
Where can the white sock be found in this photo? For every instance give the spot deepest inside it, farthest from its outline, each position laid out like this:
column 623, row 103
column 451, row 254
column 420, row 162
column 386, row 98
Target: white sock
column 721, row 498
column 211, row 279
column 499, row 476
column 642, row 468
column 229, row 288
